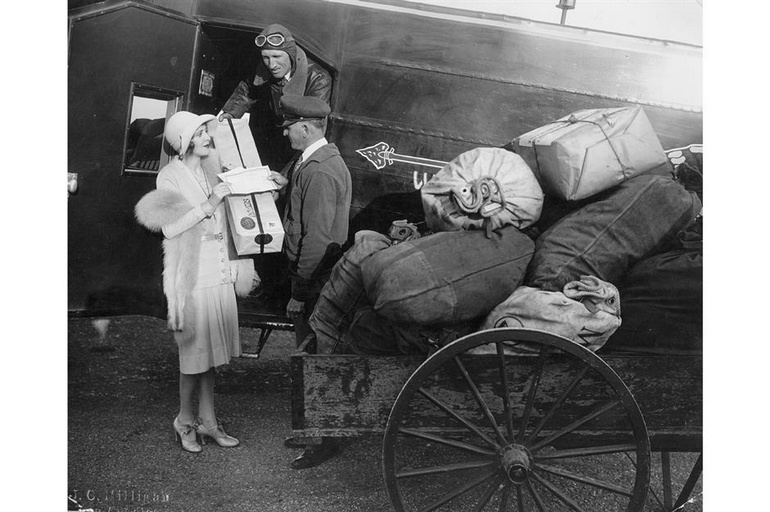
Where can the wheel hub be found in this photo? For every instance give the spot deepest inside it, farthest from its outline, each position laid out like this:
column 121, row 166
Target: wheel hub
column 515, row 461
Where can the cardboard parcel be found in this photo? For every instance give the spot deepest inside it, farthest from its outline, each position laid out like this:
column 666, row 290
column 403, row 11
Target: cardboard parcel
column 590, row 151
column 235, row 143
column 255, row 225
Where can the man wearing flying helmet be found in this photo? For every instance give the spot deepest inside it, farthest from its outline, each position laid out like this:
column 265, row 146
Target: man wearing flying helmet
column 284, row 68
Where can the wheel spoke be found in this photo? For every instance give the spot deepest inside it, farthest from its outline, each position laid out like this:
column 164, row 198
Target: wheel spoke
column 454, row 459
column 557, row 492
column 689, row 485
column 666, row 468
column 505, row 395
column 488, row 494
column 575, row 424
column 445, row 441
column 536, row 496
column 586, row 480
column 506, row 493
column 556, row 405
column 531, row 395
column 480, row 400
column 651, row 490
column 470, row 426
column 520, row 499
column 446, row 468
column 584, row 452
column 446, row 498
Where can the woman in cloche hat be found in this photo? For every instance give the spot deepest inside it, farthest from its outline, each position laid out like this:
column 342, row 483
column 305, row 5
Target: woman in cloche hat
column 201, row 274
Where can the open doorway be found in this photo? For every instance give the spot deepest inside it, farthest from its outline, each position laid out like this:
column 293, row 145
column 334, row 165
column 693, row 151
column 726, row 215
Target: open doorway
column 226, row 56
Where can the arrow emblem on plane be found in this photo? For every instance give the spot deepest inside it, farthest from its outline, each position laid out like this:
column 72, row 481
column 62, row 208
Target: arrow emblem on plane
column 381, row 155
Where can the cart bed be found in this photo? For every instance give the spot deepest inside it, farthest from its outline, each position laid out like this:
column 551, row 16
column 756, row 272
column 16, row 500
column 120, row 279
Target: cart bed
column 347, row 395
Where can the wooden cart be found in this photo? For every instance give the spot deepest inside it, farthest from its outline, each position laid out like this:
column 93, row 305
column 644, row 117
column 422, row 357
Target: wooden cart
column 565, row 429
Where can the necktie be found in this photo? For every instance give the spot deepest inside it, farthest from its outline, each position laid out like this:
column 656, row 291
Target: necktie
column 292, row 172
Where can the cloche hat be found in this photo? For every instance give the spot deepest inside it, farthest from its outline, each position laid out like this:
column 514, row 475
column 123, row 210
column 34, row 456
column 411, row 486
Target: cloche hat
column 180, row 128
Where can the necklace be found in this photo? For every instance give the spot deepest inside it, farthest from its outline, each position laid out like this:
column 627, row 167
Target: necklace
column 202, row 181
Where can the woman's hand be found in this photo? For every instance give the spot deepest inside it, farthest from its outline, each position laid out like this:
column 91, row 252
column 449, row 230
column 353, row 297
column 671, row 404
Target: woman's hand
column 220, row 191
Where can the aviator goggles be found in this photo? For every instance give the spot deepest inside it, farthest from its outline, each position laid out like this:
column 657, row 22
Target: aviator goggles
column 276, row 39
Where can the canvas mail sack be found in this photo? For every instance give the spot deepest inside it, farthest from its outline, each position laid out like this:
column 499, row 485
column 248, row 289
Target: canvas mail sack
column 482, row 188
column 590, row 151
column 569, row 313
column 446, row 277
column 344, row 293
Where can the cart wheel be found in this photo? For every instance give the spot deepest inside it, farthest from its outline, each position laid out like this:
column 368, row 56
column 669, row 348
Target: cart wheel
column 555, row 431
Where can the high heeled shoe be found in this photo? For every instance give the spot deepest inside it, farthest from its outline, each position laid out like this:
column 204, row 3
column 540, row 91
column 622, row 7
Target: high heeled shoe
column 216, row 433
column 187, row 436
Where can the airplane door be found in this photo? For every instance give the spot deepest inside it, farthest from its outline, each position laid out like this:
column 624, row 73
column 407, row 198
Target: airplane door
column 119, row 56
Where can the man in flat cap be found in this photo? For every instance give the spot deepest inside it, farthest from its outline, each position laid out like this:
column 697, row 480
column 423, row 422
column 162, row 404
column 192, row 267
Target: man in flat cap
column 318, row 193
column 284, row 68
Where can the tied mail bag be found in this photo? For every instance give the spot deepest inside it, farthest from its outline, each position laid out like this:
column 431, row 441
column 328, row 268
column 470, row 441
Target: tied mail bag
column 483, row 187
column 343, row 293
column 590, row 151
column 446, row 277
column 587, row 312
column 616, row 230
column 663, row 299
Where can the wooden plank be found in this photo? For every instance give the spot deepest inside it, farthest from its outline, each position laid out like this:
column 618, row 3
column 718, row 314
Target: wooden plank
column 344, row 395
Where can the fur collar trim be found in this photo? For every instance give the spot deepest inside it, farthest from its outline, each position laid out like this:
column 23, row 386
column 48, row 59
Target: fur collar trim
column 181, row 254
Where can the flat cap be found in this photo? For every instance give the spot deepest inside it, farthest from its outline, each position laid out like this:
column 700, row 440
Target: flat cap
column 297, row 108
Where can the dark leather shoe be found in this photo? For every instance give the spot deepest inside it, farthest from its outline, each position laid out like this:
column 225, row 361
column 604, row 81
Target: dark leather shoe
column 294, row 442
column 315, row 455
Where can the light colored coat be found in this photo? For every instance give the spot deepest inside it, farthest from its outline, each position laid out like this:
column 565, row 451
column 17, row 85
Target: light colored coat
column 165, row 206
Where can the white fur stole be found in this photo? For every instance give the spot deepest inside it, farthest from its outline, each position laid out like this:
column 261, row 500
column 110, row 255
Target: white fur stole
column 181, row 254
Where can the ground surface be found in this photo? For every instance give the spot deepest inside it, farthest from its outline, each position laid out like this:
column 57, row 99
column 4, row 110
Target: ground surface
column 121, row 451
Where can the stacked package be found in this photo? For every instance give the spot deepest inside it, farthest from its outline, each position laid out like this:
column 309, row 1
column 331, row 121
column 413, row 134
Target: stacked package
column 589, row 151
column 493, row 262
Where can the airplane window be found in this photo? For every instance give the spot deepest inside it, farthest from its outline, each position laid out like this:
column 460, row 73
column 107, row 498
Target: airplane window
column 149, row 107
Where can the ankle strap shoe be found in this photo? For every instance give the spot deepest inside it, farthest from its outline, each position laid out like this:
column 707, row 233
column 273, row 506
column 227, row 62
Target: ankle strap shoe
column 187, row 436
column 216, row 433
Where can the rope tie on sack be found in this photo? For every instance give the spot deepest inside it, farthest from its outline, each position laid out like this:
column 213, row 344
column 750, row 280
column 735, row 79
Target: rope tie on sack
column 483, row 196
column 479, row 195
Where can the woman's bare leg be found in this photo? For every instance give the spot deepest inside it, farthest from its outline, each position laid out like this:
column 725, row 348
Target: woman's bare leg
column 206, row 399
column 187, row 385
